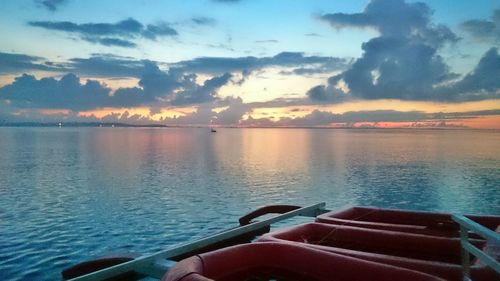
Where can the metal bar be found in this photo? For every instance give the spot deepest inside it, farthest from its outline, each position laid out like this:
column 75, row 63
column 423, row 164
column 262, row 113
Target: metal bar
column 156, row 269
column 477, row 228
column 147, row 261
column 467, row 224
column 483, row 257
column 464, row 239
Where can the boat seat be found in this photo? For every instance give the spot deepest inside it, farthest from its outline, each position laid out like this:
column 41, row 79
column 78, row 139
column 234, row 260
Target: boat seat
column 279, row 261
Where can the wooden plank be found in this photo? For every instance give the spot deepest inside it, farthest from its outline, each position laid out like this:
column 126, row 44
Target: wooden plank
column 149, row 260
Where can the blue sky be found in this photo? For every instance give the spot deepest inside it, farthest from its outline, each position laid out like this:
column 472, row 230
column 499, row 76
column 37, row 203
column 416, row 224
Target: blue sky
column 264, row 63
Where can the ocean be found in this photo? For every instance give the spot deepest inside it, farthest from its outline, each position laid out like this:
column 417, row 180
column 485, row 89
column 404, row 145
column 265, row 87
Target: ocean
column 70, row 194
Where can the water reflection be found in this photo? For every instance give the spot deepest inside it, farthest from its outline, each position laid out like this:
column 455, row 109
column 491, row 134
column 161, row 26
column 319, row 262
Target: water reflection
column 67, row 194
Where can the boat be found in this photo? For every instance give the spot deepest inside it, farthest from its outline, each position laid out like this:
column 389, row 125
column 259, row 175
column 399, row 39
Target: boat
column 213, row 130
column 430, row 223
column 271, row 261
column 320, row 251
column 435, row 255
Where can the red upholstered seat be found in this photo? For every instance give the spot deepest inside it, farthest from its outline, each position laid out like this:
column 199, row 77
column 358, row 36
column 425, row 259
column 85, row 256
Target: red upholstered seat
column 280, row 261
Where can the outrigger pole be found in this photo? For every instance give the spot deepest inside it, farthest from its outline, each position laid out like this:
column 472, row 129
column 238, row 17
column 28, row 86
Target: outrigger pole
column 156, row 265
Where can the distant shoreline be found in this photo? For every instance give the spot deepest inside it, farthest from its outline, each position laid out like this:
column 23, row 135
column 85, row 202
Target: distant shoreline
column 125, row 125
column 77, row 124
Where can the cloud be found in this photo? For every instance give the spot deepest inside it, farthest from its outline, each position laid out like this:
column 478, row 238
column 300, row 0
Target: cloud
column 108, row 41
column 18, row 63
column 162, row 29
column 203, row 115
column 220, row 65
column 403, row 61
column 53, row 5
column 110, row 65
column 155, row 88
column 201, row 93
column 106, row 65
column 328, row 93
column 110, row 34
column 28, row 92
column 484, row 30
column 395, row 18
column 481, row 83
column 98, row 65
column 234, row 112
column 318, row 118
column 203, row 21
column 267, row 41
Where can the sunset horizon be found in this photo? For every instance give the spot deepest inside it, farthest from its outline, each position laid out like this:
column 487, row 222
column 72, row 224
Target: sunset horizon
column 249, row 140
column 380, row 64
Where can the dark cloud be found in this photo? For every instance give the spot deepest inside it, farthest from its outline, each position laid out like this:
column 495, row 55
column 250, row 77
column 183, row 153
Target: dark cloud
column 403, row 62
column 396, row 68
column 486, row 75
column 121, row 32
column 52, row 5
column 267, row 41
column 484, row 30
column 481, row 83
column 156, row 87
column 98, row 65
column 108, row 41
column 395, row 18
column 327, row 94
column 156, row 82
column 318, row 118
column 203, row 21
column 18, row 63
column 317, row 68
column 162, row 29
column 28, row 92
column 126, row 27
column 220, row 65
column 313, row 34
column 107, row 65
column 234, row 112
column 200, row 94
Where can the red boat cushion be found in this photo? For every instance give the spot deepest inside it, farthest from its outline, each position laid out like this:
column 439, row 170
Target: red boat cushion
column 338, row 239
column 438, row 224
column 284, row 262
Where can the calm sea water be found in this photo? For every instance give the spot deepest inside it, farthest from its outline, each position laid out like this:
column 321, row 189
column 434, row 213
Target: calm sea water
column 69, row 194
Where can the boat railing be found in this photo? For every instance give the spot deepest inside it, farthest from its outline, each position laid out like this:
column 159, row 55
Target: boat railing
column 492, row 238
column 156, row 265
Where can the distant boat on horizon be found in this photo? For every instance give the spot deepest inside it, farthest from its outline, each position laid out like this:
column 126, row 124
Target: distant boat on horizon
column 213, row 130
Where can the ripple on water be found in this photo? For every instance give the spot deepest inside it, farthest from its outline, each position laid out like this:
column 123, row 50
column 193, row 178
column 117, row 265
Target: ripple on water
column 71, row 194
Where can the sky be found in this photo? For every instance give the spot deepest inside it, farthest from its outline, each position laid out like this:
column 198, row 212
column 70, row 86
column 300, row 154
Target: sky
column 252, row 63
